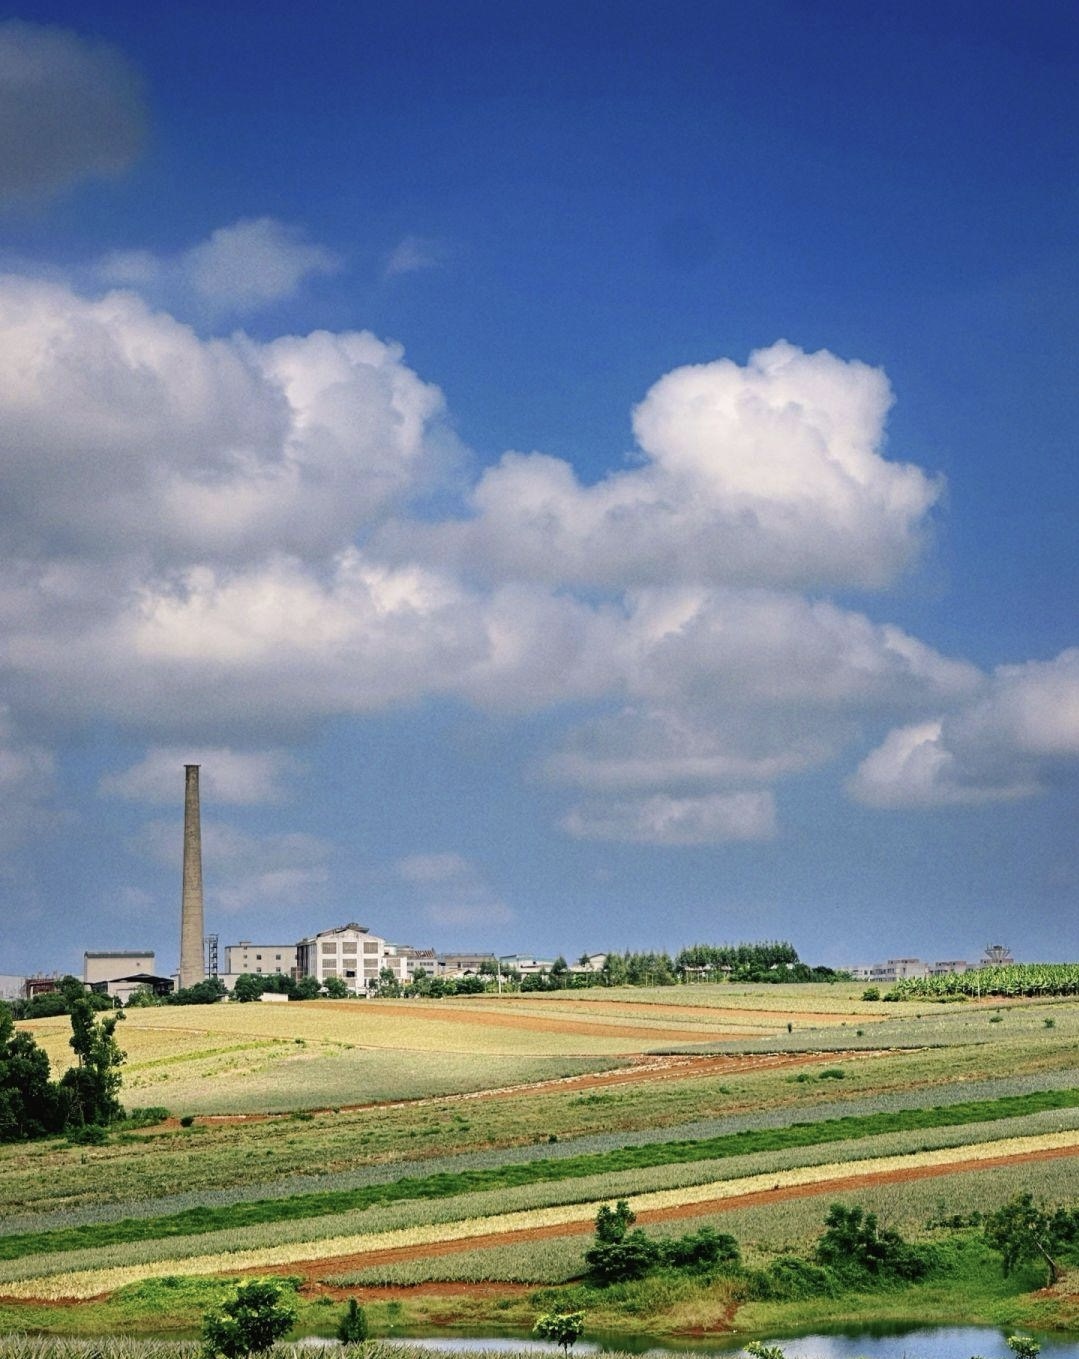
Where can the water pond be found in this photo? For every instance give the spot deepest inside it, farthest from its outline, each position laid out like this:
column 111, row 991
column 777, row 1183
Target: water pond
column 938, row 1342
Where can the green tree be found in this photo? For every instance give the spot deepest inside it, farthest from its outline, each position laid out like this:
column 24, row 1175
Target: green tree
column 336, row 988
column 562, row 1328
column 1023, row 1230
column 853, row 1244
column 307, row 988
column 92, row 1085
column 352, row 1328
column 30, row 1103
column 249, row 1323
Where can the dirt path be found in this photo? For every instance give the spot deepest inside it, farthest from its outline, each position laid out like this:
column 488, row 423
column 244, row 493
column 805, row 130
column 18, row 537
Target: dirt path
column 312, row 1270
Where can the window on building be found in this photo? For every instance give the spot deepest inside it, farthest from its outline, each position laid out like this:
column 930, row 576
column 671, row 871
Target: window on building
column 370, row 948
column 349, row 946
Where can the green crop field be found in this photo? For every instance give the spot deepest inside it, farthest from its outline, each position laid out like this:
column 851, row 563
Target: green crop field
column 321, row 1133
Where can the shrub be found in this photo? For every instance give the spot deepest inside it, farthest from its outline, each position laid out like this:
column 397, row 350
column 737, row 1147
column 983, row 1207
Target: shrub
column 563, row 1328
column 871, row 993
column 249, row 1323
column 853, row 1246
column 352, row 1328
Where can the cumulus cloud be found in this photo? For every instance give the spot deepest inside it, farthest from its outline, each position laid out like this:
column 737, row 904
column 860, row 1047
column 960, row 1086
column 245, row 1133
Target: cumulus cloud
column 127, row 434
column 1007, row 744
column 451, row 890
column 228, row 777
column 665, row 820
column 205, row 541
column 251, row 264
column 246, row 872
column 70, row 109
column 768, row 474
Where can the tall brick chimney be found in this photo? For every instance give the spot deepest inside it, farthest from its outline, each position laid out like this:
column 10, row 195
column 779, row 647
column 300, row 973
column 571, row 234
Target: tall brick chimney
column 192, row 965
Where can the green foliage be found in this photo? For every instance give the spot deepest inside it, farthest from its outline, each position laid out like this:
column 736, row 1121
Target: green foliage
column 613, row 1223
column 1024, row 1346
column 336, row 988
column 249, row 1323
column 761, row 1351
column 1024, row 1230
column 854, row 1245
column 620, row 1255
column 791, row 1279
column 1013, row 979
column 871, row 993
column 30, row 1104
column 561, row 1328
column 207, row 992
column 92, row 1086
column 352, row 1328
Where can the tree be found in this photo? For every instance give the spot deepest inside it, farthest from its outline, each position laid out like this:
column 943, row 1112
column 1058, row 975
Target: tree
column 307, row 988
column 562, row 1328
column 336, row 988
column 618, row 1254
column 93, row 1083
column 1023, row 1230
column 853, row 1244
column 30, row 1103
column 249, row 1323
column 352, row 1328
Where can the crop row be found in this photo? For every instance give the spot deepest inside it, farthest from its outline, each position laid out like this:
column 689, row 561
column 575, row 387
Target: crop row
column 762, row 1231
column 623, row 1184
column 207, row 1219
column 90, row 1282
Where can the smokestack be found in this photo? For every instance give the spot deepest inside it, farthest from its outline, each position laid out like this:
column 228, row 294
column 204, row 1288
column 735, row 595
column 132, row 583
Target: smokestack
column 192, row 967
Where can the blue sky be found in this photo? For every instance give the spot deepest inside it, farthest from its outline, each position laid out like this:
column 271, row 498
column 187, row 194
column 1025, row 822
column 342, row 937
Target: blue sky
column 576, row 476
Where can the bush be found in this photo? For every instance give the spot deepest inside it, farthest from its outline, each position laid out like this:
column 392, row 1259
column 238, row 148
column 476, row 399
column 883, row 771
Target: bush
column 791, row 1279
column 702, row 1250
column 562, row 1328
column 871, row 993
column 352, row 1328
column 250, row 1323
column 856, row 1249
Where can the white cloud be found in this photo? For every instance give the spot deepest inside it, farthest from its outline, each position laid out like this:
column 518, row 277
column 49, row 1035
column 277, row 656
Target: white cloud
column 243, row 871
column 451, row 890
column 665, row 820
column 70, row 109
column 254, row 262
column 203, row 541
column 769, row 474
column 243, row 267
column 226, row 777
column 128, row 436
column 1008, row 743
column 413, row 254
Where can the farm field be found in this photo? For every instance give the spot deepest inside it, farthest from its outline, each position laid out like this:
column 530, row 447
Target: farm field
column 405, row 1151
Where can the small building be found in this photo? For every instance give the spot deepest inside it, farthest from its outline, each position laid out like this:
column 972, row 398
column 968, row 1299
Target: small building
column 123, row 988
column 526, row 966
column 107, row 965
column 465, row 964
